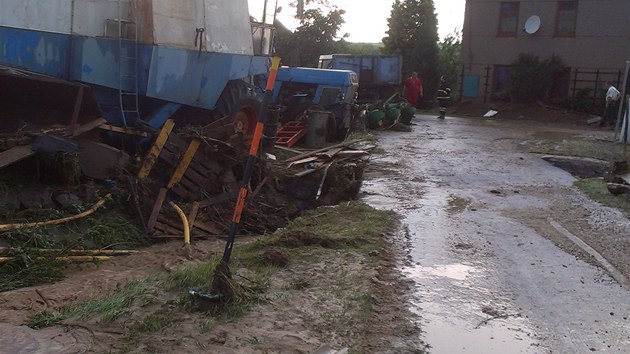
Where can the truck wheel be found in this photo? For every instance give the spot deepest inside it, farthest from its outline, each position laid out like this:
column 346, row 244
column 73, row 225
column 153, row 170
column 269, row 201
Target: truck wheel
column 237, row 102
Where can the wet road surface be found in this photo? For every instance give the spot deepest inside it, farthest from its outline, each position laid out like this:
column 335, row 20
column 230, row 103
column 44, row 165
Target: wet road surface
column 478, row 216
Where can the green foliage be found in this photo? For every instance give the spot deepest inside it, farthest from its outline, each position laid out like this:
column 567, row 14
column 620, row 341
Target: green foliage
column 583, row 100
column 113, row 305
column 29, row 266
column 32, row 265
column 316, row 35
column 358, row 48
column 413, row 34
column 531, row 78
column 448, row 64
column 44, row 319
column 597, row 190
column 106, row 231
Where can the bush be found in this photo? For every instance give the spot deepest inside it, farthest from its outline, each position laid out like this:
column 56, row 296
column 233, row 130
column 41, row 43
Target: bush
column 532, row 78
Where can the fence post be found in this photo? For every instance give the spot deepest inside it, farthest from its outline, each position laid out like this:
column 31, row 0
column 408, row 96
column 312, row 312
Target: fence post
column 461, row 85
column 574, row 83
column 596, row 86
column 487, row 77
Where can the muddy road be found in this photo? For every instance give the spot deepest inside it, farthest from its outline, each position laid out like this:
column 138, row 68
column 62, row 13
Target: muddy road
column 505, row 255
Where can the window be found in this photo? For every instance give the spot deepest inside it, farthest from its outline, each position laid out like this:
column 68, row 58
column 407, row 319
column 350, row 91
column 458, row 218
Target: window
column 508, row 18
column 565, row 18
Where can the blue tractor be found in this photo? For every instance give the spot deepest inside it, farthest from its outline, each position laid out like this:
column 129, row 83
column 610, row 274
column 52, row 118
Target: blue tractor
column 299, row 90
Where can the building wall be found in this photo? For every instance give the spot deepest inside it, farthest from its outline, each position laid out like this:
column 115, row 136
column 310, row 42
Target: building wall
column 602, row 35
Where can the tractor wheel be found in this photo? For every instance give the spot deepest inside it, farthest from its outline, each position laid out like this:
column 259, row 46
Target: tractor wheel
column 241, row 106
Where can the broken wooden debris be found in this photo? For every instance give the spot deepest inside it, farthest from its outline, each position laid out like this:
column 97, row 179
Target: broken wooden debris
column 152, row 156
column 84, row 128
column 322, row 158
column 123, row 130
column 15, row 154
column 315, row 152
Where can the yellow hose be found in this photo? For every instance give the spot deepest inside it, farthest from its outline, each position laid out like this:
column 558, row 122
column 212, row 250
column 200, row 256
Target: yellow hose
column 100, row 203
column 182, row 216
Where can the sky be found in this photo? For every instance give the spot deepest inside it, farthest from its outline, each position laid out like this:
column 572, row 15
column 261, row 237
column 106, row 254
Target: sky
column 366, row 20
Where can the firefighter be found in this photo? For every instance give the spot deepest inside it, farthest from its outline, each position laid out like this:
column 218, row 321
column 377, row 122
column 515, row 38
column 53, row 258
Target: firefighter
column 443, row 96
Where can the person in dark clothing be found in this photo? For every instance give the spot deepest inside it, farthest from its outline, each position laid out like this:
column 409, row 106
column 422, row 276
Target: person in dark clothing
column 613, row 96
column 443, row 96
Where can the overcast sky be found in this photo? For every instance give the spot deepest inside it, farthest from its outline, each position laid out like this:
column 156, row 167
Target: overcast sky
column 366, row 20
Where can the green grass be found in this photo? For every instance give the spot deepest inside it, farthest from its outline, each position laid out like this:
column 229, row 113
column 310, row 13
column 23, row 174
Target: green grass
column 31, row 266
column 596, row 189
column 115, row 304
column 44, row 319
column 573, row 146
column 350, row 228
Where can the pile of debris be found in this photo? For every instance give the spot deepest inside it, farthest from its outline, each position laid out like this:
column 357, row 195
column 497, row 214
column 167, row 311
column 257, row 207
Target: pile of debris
column 193, row 169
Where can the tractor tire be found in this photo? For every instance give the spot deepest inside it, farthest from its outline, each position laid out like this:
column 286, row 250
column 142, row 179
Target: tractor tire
column 239, row 103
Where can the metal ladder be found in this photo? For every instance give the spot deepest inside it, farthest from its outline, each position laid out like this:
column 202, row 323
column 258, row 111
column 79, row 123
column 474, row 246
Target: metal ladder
column 128, row 65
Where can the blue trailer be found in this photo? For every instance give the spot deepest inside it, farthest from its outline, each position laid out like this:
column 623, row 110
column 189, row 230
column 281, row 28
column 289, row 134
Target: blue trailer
column 143, row 60
column 379, row 75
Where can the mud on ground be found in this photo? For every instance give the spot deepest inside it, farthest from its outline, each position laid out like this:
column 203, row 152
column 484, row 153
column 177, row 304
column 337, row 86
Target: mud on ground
column 340, row 296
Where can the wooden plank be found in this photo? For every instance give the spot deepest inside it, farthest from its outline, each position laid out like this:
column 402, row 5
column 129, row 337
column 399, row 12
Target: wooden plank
column 15, row 154
column 192, row 216
column 169, row 157
column 156, row 209
column 154, row 152
column 71, row 129
column 332, row 152
column 123, row 130
column 195, row 176
column 217, row 199
column 306, row 160
column 89, row 126
column 182, row 192
column 183, row 163
column 315, row 152
column 208, row 227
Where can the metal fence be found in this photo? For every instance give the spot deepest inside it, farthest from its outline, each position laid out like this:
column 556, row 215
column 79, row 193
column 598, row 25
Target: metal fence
column 577, row 89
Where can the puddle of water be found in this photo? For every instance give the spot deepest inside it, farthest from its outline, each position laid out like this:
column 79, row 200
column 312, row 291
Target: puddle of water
column 452, row 271
column 453, row 335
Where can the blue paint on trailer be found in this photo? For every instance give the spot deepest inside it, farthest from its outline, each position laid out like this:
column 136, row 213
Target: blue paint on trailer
column 176, row 76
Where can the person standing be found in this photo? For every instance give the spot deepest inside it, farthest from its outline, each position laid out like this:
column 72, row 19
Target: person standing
column 443, row 96
column 612, row 104
column 412, row 88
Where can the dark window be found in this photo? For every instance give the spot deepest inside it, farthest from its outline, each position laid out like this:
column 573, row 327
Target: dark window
column 508, row 18
column 566, row 17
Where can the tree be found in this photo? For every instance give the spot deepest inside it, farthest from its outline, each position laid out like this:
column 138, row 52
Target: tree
column 316, row 34
column 413, row 34
column 448, row 57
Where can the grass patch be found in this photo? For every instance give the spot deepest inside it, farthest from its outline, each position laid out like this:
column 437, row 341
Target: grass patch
column 351, row 224
column 110, row 307
column 353, row 228
column 31, row 265
column 44, row 319
column 573, row 146
column 596, row 189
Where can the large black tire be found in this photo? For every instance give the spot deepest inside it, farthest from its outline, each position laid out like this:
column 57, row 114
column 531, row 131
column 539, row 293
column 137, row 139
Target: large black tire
column 239, row 103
